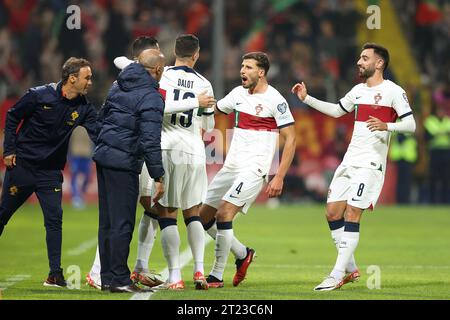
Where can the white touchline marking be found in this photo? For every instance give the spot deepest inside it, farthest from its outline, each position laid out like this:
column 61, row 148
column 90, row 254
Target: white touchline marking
column 13, row 280
column 5, row 285
column 185, row 258
column 294, row 266
column 82, row 248
column 18, row 277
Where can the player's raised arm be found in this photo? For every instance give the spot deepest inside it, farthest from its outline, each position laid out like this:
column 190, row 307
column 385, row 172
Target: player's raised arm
column 122, row 62
column 208, row 121
column 335, row 110
column 206, row 100
column 203, row 100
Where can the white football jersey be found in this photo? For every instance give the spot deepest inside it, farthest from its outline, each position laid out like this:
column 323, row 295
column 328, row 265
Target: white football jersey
column 255, row 137
column 183, row 131
column 387, row 102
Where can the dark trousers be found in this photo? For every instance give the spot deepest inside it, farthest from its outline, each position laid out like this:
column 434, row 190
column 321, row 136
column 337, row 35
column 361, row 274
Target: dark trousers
column 118, row 193
column 404, row 181
column 440, row 176
column 19, row 184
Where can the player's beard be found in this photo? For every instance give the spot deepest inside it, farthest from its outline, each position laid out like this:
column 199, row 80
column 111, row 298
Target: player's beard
column 250, row 83
column 367, row 73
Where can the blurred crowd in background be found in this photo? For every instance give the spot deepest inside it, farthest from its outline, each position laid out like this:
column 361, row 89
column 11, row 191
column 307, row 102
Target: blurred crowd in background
column 312, row 40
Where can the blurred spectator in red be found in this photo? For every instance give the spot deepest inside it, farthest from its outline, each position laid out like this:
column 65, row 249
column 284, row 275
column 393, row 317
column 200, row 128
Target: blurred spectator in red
column 441, row 97
column 427, row 15
column 19, row 14
column 195, row 14
column 143, row 26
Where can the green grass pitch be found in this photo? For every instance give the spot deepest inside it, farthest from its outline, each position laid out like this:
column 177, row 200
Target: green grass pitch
column 409, row 246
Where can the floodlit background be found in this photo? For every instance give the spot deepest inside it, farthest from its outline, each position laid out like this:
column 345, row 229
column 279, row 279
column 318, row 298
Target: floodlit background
column 315, row 41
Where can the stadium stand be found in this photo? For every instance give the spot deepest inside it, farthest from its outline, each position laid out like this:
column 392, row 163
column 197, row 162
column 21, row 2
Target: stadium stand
column 314, row 41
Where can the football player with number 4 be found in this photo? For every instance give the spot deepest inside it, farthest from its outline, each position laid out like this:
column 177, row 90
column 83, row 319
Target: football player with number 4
column 358, row 180
column 262, row 115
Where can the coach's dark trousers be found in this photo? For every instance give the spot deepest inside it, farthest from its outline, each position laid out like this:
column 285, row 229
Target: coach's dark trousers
column 19, row 184
column 118, row 193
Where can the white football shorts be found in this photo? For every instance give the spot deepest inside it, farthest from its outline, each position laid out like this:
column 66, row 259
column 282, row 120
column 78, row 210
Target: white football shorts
column 185, row 180
column 360, row 187
column 146, row 186
column 238, row 188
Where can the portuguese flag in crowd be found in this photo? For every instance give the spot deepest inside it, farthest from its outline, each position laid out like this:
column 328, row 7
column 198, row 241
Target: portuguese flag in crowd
column 428, row 12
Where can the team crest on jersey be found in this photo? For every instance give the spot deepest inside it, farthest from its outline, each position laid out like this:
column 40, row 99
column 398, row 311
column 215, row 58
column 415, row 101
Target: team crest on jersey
column 377, row 98
column 13, row 190
column 282, row 107
column 74, row 115
column 258, row 109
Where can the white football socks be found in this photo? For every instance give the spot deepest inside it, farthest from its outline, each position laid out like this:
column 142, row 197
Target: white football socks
column 196, row 239
column 237, row 248
column 347, row 246
column 96, row 267
column 148, row 228
column 224, row 239
column 337, row 235
column 170, row 240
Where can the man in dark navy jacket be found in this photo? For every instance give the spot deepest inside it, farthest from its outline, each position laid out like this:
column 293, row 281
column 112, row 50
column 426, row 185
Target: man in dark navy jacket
column 37, row 132
column 130, row 124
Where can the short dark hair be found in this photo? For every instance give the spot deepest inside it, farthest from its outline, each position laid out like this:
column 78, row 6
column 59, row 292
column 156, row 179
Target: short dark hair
column 379, row 50
column 73, row 66
column 262, row 60
column 142, row 43
column 186, row 45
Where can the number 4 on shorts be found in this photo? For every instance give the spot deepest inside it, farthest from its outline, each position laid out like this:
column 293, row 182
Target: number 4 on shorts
column 239, row 187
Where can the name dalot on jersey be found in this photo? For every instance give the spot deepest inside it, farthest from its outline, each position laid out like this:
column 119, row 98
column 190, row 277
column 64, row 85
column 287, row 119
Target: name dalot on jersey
column 189, row 84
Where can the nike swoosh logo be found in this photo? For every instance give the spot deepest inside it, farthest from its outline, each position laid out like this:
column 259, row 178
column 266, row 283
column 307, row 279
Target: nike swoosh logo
column 357, row 97
column 47, row 108
column 57, row 190
column 231, row 196
column 238, row 103
column 353, row 199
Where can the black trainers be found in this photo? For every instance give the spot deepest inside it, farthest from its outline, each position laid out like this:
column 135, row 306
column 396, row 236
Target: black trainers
column 55, row 280
column 213, row 282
